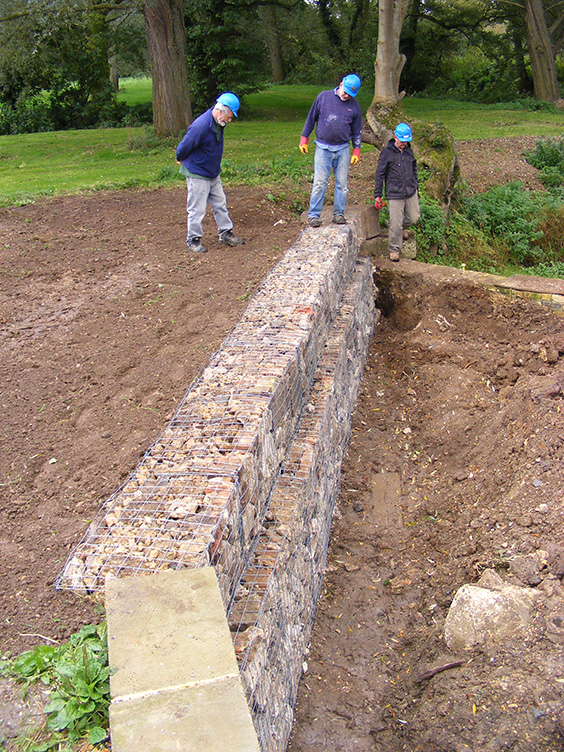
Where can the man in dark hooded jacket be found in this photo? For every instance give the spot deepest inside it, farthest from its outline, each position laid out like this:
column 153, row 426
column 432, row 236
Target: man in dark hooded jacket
column 397, row 173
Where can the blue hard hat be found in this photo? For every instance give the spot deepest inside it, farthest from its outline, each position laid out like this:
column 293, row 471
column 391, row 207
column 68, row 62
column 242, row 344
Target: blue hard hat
column 351, row 84
column 403, row 132
column 229, row 100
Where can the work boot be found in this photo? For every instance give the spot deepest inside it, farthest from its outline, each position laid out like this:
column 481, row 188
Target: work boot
column 314, row 221
column 228, row 238
column 339, row 219
column 195, row 245
column 394, row 255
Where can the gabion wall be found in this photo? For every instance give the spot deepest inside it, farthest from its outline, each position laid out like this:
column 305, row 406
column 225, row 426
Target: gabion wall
column 245, row 475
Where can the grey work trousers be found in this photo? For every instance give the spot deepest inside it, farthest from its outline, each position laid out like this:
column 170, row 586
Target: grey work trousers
column 404, row 212
column 201, row 192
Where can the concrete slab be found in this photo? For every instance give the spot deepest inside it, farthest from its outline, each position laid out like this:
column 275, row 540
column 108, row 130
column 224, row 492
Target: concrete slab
column 210, row 717
column 167, row 630
column 386, row 492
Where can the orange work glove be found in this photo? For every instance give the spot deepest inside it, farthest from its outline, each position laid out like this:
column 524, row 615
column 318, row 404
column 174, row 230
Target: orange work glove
column 303, row 145
column 379, row 203
column 355, row 159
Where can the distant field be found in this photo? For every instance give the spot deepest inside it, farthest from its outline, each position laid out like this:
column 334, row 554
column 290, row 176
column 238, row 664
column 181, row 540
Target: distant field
column 262, row 143
column 466, row 120
column 135, row 90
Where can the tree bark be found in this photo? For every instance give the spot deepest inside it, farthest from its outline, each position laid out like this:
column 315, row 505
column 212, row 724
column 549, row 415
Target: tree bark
column 389, row 61
column 114, row 75
column 270, row 22
column 539, row 44
column 166, row 39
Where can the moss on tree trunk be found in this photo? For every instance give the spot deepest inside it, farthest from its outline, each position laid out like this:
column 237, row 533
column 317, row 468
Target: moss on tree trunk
column 433, row 144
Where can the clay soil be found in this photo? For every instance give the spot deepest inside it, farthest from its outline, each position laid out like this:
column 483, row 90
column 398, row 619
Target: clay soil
column 105, row 319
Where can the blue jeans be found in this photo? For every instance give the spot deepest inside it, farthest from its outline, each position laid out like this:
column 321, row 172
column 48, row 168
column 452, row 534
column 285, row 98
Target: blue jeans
column 325, row 161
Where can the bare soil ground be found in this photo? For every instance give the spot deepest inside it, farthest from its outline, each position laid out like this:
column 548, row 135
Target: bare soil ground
column 105, row 319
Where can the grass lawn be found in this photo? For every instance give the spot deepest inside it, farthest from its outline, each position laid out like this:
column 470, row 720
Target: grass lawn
column 261, row 143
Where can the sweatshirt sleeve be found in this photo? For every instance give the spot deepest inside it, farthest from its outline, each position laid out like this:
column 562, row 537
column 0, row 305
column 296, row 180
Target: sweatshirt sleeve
column 188, row 143
column 311, row 119
column 356, row 130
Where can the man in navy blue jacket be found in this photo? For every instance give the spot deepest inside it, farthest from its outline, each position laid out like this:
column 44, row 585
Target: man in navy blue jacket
column 397, row 173
column 199, row 154
column 337, row 118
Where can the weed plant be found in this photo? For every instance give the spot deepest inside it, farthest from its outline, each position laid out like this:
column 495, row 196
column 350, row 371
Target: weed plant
column 503, row 230
column 77, row 675
column 509, row 214
column 548, row 157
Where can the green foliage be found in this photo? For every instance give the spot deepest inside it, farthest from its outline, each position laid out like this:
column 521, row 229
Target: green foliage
column 54, row 71
column 77, row 674
column 548, row 157
column 212, row 27
column 510, row 213
column 28, row 115
column 464, row 245
column 548, row 152
column 432, row 227
column 551, row 177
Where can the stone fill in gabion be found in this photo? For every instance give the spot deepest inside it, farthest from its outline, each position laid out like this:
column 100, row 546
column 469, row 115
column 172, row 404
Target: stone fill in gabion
column 200, row 494
column 245, row 475
column 274, row 606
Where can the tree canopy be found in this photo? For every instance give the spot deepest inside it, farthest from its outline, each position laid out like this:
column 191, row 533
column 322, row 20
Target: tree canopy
column 61, row 60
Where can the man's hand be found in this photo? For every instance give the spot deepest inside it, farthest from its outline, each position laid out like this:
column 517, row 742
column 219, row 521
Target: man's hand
column 355, row 159
column 379, row 203
column 303, row 145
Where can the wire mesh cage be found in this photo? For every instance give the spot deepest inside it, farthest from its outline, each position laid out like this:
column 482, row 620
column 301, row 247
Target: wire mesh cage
column 245, row 476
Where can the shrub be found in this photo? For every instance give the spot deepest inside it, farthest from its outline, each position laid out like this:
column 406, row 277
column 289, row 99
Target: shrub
column 30, row 114
column 548, row 152
column 551, row 177
column 551, row 224
column 432, row 227
column 508, row 214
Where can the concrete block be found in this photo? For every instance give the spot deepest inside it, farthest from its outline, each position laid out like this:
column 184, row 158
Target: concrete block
column 167, row 631
column 371, row 222
column 205, row 717
column 176, row 685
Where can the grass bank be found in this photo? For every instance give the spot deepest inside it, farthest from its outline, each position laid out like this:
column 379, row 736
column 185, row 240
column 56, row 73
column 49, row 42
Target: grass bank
column 262, row 144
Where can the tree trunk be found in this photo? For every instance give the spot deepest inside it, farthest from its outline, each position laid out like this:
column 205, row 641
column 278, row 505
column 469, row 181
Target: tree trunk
column 270, row 23
column 389, row 62
column 539, row 44
column 433, row 144
column 166, row 39
column 409, row 42
column 525, row 81
column 114, row 75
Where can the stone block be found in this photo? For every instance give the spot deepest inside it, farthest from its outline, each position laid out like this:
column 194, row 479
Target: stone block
column 167, row 631
column 409, row 247
column 377, row 246
column 194, row 719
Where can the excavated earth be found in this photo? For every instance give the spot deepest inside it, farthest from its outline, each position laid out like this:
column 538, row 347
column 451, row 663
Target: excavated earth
column 454, row 467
